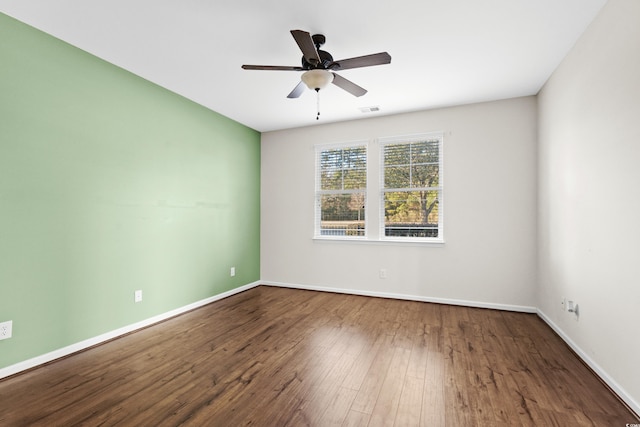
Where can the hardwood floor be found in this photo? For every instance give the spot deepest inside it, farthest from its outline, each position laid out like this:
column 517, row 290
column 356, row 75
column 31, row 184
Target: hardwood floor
column 282, row 357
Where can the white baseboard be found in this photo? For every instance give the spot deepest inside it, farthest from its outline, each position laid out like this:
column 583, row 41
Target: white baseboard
column 466, row 303
column 613, row 385
column 82, row 345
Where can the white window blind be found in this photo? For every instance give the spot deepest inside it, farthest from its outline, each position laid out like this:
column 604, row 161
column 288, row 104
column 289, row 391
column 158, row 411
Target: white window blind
column 341, row 190
column 411, row 188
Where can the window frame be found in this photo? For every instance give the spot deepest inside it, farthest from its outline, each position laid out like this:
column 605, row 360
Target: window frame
column 409, row 139
column 319, row 192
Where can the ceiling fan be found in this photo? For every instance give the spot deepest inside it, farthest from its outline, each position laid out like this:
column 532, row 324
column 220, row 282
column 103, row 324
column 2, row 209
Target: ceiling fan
column 319, row 67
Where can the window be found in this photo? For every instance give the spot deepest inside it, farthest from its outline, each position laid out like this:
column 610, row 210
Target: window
column 341, row 190
column 402, row 176
column 411, row 188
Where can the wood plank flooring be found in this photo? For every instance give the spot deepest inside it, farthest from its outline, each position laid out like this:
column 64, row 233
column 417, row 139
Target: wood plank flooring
column 282, row 357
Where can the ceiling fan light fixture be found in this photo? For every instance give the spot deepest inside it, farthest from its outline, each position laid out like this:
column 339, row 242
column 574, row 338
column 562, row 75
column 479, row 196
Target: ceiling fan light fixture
column 317, row 79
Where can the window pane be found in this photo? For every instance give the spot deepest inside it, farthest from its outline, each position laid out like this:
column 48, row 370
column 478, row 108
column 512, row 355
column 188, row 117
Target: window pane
column 412, row 165
column 425, row 152
column 331, row 159
column 355, row 179
column 411, row 214
column 397, row 176
column 424, row 176
column 354, row 158
column 342, row 169
column 396, row 154
column 342, row 215
column 331, row 180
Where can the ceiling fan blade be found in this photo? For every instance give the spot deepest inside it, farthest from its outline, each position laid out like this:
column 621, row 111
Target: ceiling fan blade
column 363, row 61
column 306, row 45
column 348, row 85
column 272, row 67
column 297, row 91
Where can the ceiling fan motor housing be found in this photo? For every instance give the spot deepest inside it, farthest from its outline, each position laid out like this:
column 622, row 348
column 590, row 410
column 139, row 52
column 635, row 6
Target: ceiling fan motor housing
column 325, row 61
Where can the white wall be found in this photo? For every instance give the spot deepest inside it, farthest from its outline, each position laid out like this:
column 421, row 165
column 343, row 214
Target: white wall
column 489, row 203
column 589, row 203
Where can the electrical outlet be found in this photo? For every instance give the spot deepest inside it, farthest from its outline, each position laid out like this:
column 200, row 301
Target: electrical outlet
column 6, row 329
column 383, row 273
column 232, row 272
column 137, row 296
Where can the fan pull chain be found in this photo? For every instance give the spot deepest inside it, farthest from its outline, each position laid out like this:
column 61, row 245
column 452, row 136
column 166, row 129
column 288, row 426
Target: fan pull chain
column 318, row 103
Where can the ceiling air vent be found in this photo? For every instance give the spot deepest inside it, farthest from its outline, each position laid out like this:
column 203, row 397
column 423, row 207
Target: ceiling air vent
column 370, row 109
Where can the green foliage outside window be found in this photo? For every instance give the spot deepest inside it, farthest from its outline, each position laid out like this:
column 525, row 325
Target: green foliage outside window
column 343, row 182
column 411, row 188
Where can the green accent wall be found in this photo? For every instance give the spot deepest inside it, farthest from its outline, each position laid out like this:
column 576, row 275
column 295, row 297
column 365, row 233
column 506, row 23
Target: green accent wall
column 109, row 184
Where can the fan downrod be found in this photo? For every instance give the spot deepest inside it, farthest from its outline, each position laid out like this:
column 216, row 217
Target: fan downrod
column 318, row 40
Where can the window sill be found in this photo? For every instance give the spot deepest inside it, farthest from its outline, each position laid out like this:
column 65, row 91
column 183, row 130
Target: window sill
column 364, row 240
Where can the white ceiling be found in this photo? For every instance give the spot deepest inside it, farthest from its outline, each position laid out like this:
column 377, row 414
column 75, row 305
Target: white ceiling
column 444, row 52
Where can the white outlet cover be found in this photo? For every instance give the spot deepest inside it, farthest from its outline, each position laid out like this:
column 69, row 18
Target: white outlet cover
column 137, row 296
column 6, row 330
